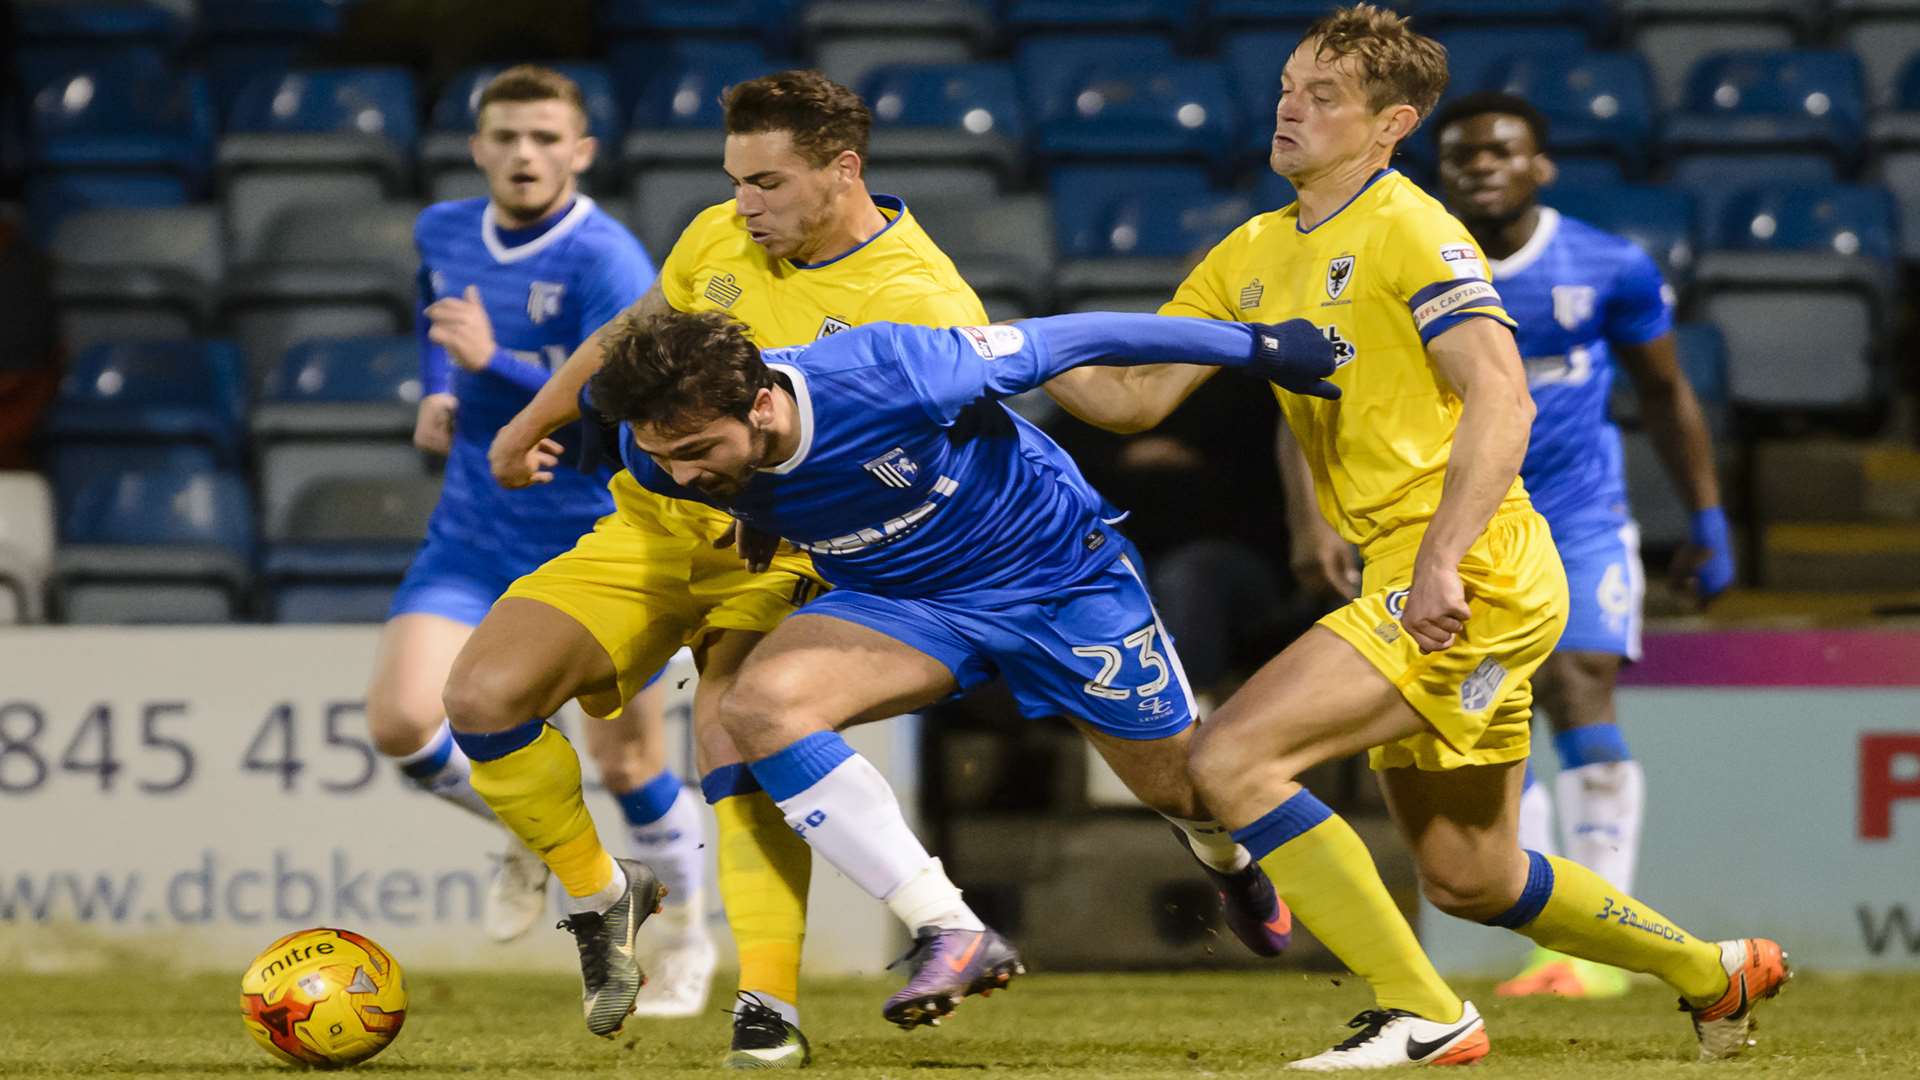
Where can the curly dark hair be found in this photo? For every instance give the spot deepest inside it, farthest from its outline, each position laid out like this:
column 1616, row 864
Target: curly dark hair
column 823, row 117
column 678, row 371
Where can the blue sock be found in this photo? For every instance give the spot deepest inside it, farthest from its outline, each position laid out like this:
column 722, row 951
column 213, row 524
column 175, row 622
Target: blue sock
column 1532, row 898
column 801, row 765
column 727, row 781
column 650, row 801
column 423, row 764
column 1595, row 744
column 1282, row 823
column 492, row 746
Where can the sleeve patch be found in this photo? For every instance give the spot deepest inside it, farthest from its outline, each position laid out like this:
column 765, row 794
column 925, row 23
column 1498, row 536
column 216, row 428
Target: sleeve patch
column 1463, row 261
column 993, row 342
column 1458, row 297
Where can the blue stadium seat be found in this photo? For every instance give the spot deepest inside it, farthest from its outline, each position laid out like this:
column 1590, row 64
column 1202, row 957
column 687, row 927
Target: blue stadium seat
column 1770, row 100
column 1168, row 226
column 99, row 118
column 1047, row 63
column 355, row 370
column 72, row 465
column 1590, row 18
column 1592, row 101
column 1113, row 110
column 1660, row 219
column 1589, row 170
column 1272, row 191
column 974, row 98
column 1907, row 91
column 684, row 92
column 1703, row 357
column 163, row 391
column 1083, row 196
column 1254, row 60
column 306, row 603
column 347, row 542
column 1713, row 179
column 1837, row 219
column 48, row 23
column 152, row 507
column 1474, row 53
column 271, row 20
column 1026, row 16
column 53, row 196
column 1235, row 14
column 362, row 101
column 459, row 101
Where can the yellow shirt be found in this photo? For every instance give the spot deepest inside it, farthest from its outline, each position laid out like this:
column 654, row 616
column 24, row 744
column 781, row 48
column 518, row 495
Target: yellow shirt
column 897, row 276
column 1383, row 276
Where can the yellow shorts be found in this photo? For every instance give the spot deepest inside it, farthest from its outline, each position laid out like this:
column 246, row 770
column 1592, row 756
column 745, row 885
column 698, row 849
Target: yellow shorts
column 648, row 580
column 1476, row 695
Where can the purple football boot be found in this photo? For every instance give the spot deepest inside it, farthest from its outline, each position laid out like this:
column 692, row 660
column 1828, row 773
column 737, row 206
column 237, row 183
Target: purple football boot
column 947, row 966
column 1255, row 913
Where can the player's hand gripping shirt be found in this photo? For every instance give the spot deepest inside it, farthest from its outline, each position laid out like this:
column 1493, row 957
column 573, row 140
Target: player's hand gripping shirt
column 544, row 290
column 1576, row 292
column 1383, row 276
column 911, row 479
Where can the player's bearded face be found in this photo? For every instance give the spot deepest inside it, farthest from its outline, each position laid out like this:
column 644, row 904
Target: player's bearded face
column 716, row 459
column 531, row 152
column 1490, row 169
column 1323, row 118
column 788, row 202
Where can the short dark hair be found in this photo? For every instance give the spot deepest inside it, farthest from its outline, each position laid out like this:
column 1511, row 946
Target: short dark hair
column 823, row 117
column 1397, row 65
column 531, row 82
column 1486, row 102
column 678, row 371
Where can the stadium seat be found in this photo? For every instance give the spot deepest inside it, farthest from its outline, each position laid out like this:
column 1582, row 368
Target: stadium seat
column 277, row 306
column 51, row 196
column 1254, row 60
column 1838, row 219
column 97, row 118
column 50, row 22
column 1272, row 192
column 1663, row 518
column 1002, row 245
column 1797, row 15
column 1132, row 232
column 362, row 387
column 947, row 114
column 1047, row 63
column 1595, row 20
column 1885, row 46
column 1474, row 54
column 1772, row 101
column 677, row 119
column 314, row 136
column 253, row 39
column 1593, row 101
column 348, row 543
column 26, row 546
column 135, row 272
column 1117, row 112
column 665, row 199
column 1703, row 360
column 350, row 233
column 71, row 465
column 1671, row 48
column 1083, row 194
column 1660, row 219
column 445, row 147
column 1714, row 180
column 1588, row 170
column 155, row 545
column 287, row 469
column 1895, row 136
column 168, row 392
column 1030, row 16
column 847, row 39
column 772, row 21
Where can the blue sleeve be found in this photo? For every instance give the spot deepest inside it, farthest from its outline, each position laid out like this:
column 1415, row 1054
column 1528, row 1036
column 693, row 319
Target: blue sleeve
column 951, row 369
column 521, row 373
column 1638, row 309
column 436, row 371
column 612, row 283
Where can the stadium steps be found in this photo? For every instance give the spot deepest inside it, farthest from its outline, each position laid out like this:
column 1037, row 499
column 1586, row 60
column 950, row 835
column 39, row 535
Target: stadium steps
column 1835, row 481
column 1847, row 556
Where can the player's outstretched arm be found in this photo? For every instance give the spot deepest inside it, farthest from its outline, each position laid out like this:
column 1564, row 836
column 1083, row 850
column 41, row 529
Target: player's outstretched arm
column 1126, row 400
column 517, row 456
column 1478, row 359
column 1292, row 354
column 1671, row 412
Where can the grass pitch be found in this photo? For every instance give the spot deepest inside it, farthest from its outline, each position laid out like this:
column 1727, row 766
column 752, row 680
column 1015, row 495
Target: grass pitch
column 133, row 1023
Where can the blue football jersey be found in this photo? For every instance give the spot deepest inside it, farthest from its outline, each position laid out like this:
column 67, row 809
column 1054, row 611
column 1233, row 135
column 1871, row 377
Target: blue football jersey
column 912, row 480
column 545, row 288
column 1576, row 292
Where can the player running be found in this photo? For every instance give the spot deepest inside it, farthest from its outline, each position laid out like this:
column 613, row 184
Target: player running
column 1584, row 299
column 963, row 544
column 1463, row 595
column 509, row 285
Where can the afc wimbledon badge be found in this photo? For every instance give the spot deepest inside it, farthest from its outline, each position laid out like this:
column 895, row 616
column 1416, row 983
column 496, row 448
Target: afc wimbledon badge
column 1339, row 272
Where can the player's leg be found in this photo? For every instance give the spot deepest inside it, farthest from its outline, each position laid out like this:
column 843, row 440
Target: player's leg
column 1462, row 825
column 667, row 830
column 821, row 671
column 523, row 663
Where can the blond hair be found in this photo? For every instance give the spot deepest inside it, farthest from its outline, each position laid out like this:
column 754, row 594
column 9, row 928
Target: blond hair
column 1397, row 66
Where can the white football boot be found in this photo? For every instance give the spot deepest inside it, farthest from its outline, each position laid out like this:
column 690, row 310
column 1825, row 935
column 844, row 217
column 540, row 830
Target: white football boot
column 1395, row 1038
column 517, row 895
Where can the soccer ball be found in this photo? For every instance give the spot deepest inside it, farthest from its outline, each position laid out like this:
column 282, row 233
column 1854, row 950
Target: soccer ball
column 323, row 997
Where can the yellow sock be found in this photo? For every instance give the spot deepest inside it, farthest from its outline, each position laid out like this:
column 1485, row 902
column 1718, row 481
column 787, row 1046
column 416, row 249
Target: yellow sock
column 765, row 869
column 535, row 791
column 1323, row 871
column 1581, row 915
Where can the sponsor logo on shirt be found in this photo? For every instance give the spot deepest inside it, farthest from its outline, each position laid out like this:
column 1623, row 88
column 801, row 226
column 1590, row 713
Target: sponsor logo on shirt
column 543, row 300
column 722, row 290
column 894, row 468
column 1343, row 350
column 887, row 531
column 993, row 342
column 1466, row 295
column 1251, row 294
column 1463, row 260
column 1339, row 272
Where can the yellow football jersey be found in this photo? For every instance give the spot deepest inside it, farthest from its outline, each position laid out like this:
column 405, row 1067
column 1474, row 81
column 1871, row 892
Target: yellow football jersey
column 897, row 276
column 1381, row 277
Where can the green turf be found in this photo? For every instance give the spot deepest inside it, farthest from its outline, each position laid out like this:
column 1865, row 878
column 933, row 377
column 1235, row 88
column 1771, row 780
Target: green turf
column 134, row 1023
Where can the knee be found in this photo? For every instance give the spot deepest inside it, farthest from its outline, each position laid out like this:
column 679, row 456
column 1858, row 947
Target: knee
column 1216, row 766
column 399, row 723
column 1467, row 891
column 759, row 707
column 483, row 698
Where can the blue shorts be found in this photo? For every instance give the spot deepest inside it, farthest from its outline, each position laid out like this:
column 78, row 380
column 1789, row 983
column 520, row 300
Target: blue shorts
column 1606, row 586
column 448, row 580
column 1095, row 651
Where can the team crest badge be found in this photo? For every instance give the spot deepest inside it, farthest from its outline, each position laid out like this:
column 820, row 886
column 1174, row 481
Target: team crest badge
column 543, row 301
column 722, row 290
column 1476, row 692
column 1339, row 272
column 1573, row 305
column 894, row 468
column 832, row 326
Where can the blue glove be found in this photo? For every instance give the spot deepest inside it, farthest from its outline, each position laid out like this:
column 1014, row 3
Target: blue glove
column 1294, row 355
column 1714, row 548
